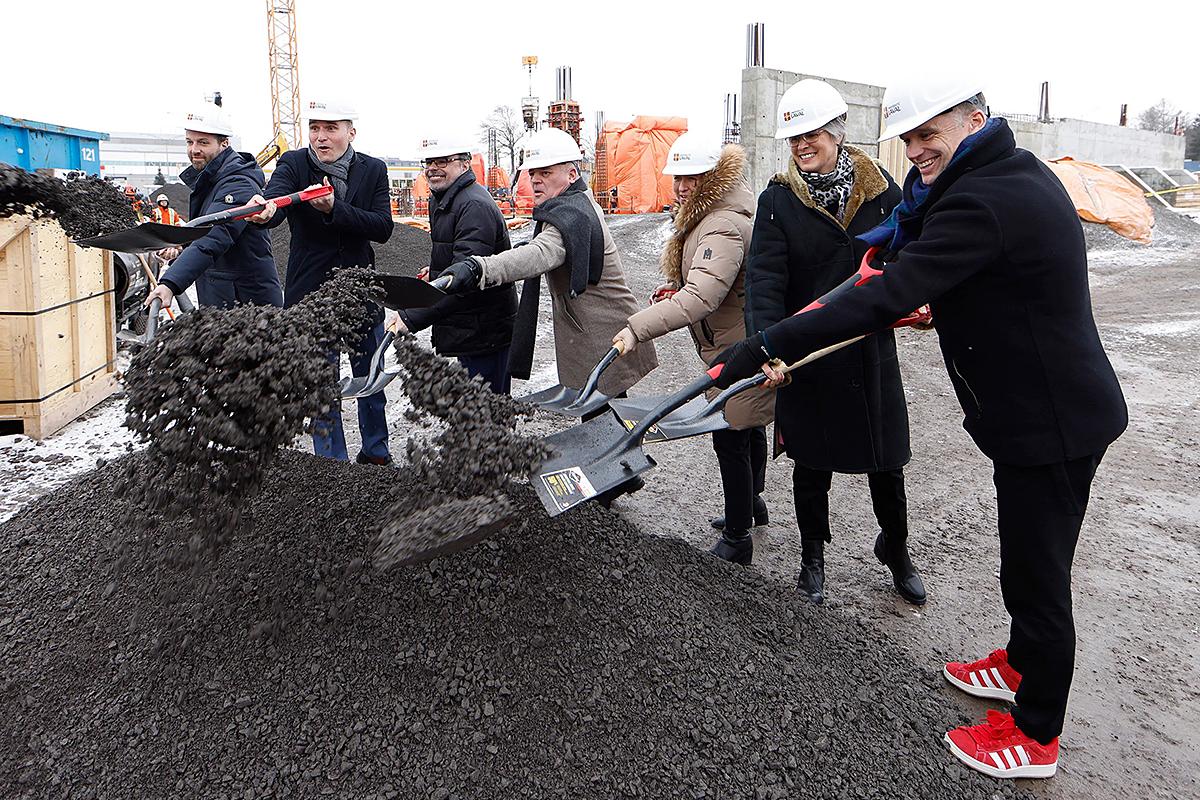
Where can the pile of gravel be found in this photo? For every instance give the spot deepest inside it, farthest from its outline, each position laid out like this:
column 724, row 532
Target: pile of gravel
column 1171, row 231
column 572, row 657
column 178, row 195
column 405, row 253
column 84, row 206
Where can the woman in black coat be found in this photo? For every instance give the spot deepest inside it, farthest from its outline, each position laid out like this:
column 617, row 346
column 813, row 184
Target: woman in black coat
column 846, row 412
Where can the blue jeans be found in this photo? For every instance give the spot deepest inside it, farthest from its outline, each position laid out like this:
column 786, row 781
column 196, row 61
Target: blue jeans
column 493, row 367
column 329, row 439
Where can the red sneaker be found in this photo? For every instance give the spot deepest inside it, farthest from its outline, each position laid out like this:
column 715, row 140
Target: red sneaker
column 998, row 748
column 989, row 677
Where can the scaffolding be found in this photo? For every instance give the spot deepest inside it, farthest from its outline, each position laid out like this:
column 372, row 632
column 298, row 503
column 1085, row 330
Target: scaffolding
column 285, row 70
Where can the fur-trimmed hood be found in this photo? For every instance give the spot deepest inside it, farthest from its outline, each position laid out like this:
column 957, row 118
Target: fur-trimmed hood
column 869, row 183
column 723, row 188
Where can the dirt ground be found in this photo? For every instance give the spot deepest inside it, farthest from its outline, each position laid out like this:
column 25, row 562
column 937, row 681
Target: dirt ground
column 1132, row 727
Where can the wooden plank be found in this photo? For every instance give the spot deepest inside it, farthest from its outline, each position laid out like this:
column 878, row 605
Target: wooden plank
column 11, row 227
column 16, row 276
column 74, row 332
column 43, row 419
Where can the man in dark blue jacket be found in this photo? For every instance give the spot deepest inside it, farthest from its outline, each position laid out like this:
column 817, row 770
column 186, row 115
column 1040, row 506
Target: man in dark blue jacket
column 464, row 221
column 332, row 232
column 989, row 237
column 233, row 263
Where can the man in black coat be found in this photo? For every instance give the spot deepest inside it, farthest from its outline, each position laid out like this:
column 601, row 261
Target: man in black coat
column 233, row 263
column 989, row 237
column 464, row 221
column 331, row 232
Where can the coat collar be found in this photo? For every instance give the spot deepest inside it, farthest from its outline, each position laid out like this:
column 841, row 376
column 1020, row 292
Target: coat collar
column 714, row 187
column 447, row 195
column 869, row 183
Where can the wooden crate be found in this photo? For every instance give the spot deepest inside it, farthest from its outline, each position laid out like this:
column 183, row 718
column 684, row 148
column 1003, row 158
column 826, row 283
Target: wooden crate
column 57, row 327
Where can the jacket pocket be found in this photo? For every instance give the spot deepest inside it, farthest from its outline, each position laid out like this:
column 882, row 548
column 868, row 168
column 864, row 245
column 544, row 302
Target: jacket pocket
column 565, row 308
column 707, row 332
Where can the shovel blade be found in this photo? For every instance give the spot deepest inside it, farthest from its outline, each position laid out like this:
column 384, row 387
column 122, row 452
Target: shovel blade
column 633, row 410
column 378, row 384
column 402, row 291
column 579, row 469
column 146, row 237
column 560, row 399
column 350, row 388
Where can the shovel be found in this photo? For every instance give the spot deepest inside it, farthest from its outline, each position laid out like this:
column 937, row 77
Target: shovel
column 699, row 417
column 402, row 291
column 574, row 402
column 601, row 454
column 156, row 235
column 354, row 387
column 151, row 326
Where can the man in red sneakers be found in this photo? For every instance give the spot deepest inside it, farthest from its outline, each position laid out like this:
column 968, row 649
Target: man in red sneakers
column 990, row 239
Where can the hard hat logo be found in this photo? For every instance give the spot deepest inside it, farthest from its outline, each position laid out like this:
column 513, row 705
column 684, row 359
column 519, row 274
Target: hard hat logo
column 788, row 116
column 890, row 110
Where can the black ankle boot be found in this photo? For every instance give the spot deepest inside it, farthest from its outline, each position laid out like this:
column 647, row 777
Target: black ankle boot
column 735, row 546
column 894, row 555
column 760, row 515
column 811, row 581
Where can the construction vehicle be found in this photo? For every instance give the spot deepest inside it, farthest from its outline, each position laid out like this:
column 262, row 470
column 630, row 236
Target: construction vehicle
column 272, row 151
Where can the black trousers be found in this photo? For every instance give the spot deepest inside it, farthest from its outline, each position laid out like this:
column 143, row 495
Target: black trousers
column 810, row 491
column 1040, row 510
column 742, row 458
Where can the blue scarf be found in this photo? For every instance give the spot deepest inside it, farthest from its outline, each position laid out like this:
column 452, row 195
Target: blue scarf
column 898, row 230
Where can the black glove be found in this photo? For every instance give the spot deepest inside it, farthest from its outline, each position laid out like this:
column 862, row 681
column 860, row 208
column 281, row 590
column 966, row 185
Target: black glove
column 464, row 276
column 743, row 360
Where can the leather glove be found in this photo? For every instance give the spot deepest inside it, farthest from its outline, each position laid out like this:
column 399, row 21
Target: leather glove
column 464, row 276
column 742, row 360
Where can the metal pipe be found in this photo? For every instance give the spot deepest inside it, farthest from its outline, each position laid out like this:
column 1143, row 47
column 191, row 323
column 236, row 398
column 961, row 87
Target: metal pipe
column 756, row 44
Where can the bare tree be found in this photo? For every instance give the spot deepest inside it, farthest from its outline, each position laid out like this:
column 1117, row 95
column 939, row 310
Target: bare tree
column 1192, row 147
column 1159, row 117
column 509, row 128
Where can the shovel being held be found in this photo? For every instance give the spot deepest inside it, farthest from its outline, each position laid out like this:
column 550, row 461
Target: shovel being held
column 562, row 399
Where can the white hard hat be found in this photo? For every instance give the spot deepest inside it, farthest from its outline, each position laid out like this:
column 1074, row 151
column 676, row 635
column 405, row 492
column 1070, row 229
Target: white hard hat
column 912, row 103
column 160, row 198
column 806, row 107
column 548, row 147
column 692, row 155
column 329, row 110
column 209, row 119
column 446, row 146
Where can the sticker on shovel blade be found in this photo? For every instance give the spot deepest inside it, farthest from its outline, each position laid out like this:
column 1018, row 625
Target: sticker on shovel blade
column 655, row 434
column 568, row 487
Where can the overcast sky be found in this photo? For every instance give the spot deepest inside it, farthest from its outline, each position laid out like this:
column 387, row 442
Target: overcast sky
column 419, row 69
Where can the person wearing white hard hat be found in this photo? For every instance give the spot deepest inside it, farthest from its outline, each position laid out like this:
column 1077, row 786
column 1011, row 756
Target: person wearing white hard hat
column 233, row 263
column 465, row 221
column 573, row 248
column 331, row 232
column 703, row 267
column 163, row 213
column 988, row 236
column 845, row 413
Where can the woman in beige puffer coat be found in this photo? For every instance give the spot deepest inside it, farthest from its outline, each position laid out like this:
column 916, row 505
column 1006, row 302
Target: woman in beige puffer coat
column 703, row 265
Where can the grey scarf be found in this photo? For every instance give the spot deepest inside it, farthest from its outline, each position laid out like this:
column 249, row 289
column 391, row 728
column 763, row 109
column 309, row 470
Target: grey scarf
column 831, row 191
column 338, row 171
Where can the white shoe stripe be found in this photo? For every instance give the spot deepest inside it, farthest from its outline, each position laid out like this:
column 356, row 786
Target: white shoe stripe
column 974, row 678
column 999, row 681
column 1024, row 756
column 987, row 679
column 1008, row 758
column 996, row 758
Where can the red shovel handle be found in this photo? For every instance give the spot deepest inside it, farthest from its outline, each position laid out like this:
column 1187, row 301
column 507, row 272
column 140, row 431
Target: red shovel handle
column 241, row 212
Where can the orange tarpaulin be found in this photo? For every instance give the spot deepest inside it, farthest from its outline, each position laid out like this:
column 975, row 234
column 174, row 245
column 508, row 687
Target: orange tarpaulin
column 637, row 153
column 524, row 198
column 497, row 178
column 1101, row 195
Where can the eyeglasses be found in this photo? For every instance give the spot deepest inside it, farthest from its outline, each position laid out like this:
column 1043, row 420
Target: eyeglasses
column 442, row 163
column 807, row 138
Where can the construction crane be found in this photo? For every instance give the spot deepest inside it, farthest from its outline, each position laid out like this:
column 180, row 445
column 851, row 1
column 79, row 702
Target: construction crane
column 285, row 72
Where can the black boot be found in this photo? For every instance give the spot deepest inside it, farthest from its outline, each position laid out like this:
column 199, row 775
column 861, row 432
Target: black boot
column 760, row 515
column 811, row 581
column 894, row 555
column 735, row 546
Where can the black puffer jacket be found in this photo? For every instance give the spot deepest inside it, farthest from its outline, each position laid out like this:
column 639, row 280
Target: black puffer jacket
column 464, row 221
column 845, row 412
column 1000, row 257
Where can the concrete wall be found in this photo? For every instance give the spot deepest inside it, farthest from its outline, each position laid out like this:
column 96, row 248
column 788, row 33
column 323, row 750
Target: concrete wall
column 1103, row 144
column 761, row 90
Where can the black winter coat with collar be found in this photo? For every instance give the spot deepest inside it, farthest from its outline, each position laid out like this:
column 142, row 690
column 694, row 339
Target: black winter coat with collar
column 845, row 412
column 1000, row 257
column 322, row 242
column 463, row 222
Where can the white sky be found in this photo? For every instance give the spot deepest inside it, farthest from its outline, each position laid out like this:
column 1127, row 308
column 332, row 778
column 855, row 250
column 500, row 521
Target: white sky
column 420, row 69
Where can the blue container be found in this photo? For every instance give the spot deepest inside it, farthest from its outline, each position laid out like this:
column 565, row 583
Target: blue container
column 40, row 145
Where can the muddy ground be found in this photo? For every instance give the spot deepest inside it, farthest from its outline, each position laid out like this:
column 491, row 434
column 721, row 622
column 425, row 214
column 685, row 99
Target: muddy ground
column 1131, row 727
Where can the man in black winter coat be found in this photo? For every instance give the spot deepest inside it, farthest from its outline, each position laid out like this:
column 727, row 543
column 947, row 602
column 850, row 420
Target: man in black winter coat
column 233, row 263
column 331, row 232
column 989, row 237
column 464, row 221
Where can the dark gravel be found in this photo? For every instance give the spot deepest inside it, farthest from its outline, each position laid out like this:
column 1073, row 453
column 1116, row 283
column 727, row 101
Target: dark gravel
column 405, row 253
column 1171, row 231
column 572, row 658
column 84, row 206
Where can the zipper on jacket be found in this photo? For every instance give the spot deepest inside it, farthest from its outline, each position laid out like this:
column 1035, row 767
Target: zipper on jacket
column 975, row 397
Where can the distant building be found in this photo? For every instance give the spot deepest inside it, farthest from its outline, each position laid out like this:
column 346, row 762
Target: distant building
column 137, row 157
